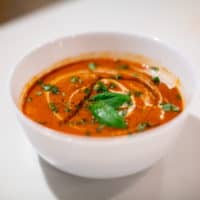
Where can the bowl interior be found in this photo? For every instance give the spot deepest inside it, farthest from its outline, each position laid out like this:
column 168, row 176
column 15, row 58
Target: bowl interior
column 72, row 46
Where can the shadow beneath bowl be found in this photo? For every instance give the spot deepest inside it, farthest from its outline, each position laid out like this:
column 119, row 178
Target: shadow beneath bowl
column 165, row 180
column 70, row 187
column 181, row 175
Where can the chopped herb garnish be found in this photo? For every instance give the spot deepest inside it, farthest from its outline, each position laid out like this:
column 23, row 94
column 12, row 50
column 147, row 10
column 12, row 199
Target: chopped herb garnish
column 123, row 66
column 92, row 66
column 50, row 88
column 100, row 87
column 112, row 86
column 106, row 114
column 53, row 107
column 154, row 68
column 29, row 99
column 142, row 126
column 137, row 93
column 87, row 91
column 54, row 89
column 170, row 107
column 38, row 93
column 104, row 107
column 156, row 80
column 118, row 76
column 46, row 87
column 75, row 79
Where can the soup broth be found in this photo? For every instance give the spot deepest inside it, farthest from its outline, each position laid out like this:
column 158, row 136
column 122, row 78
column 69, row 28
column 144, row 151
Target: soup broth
column 102, row 97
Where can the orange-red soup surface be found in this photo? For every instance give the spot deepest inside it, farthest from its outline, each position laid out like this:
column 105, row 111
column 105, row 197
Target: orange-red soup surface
column 101, row 97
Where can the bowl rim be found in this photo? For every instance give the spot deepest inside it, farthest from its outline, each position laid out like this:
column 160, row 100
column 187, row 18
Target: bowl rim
column 59, row 135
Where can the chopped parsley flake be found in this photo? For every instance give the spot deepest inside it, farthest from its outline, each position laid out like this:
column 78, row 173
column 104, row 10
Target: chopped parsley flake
column 53, row 107
column 100, row 87
column 92, row 66
column 112, row 86
column 87, row 91
column 170, row 107
column 75, row 79
column 50, row 88
column 156, row 80
column 142, row 126
column 118, row 76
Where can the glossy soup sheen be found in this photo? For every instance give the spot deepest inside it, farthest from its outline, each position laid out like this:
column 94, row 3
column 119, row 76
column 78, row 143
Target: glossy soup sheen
column 102, row 97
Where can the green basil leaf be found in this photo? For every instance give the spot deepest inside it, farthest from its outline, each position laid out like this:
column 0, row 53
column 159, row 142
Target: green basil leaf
column 113, row 99
column 106, row 114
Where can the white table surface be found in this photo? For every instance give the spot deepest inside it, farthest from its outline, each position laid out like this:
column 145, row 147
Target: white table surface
column 24, row 176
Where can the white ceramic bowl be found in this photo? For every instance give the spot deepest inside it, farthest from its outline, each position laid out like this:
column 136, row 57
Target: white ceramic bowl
column 107, row 157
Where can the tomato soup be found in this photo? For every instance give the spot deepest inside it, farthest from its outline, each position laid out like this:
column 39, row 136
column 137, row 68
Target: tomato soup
column 102, row 97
